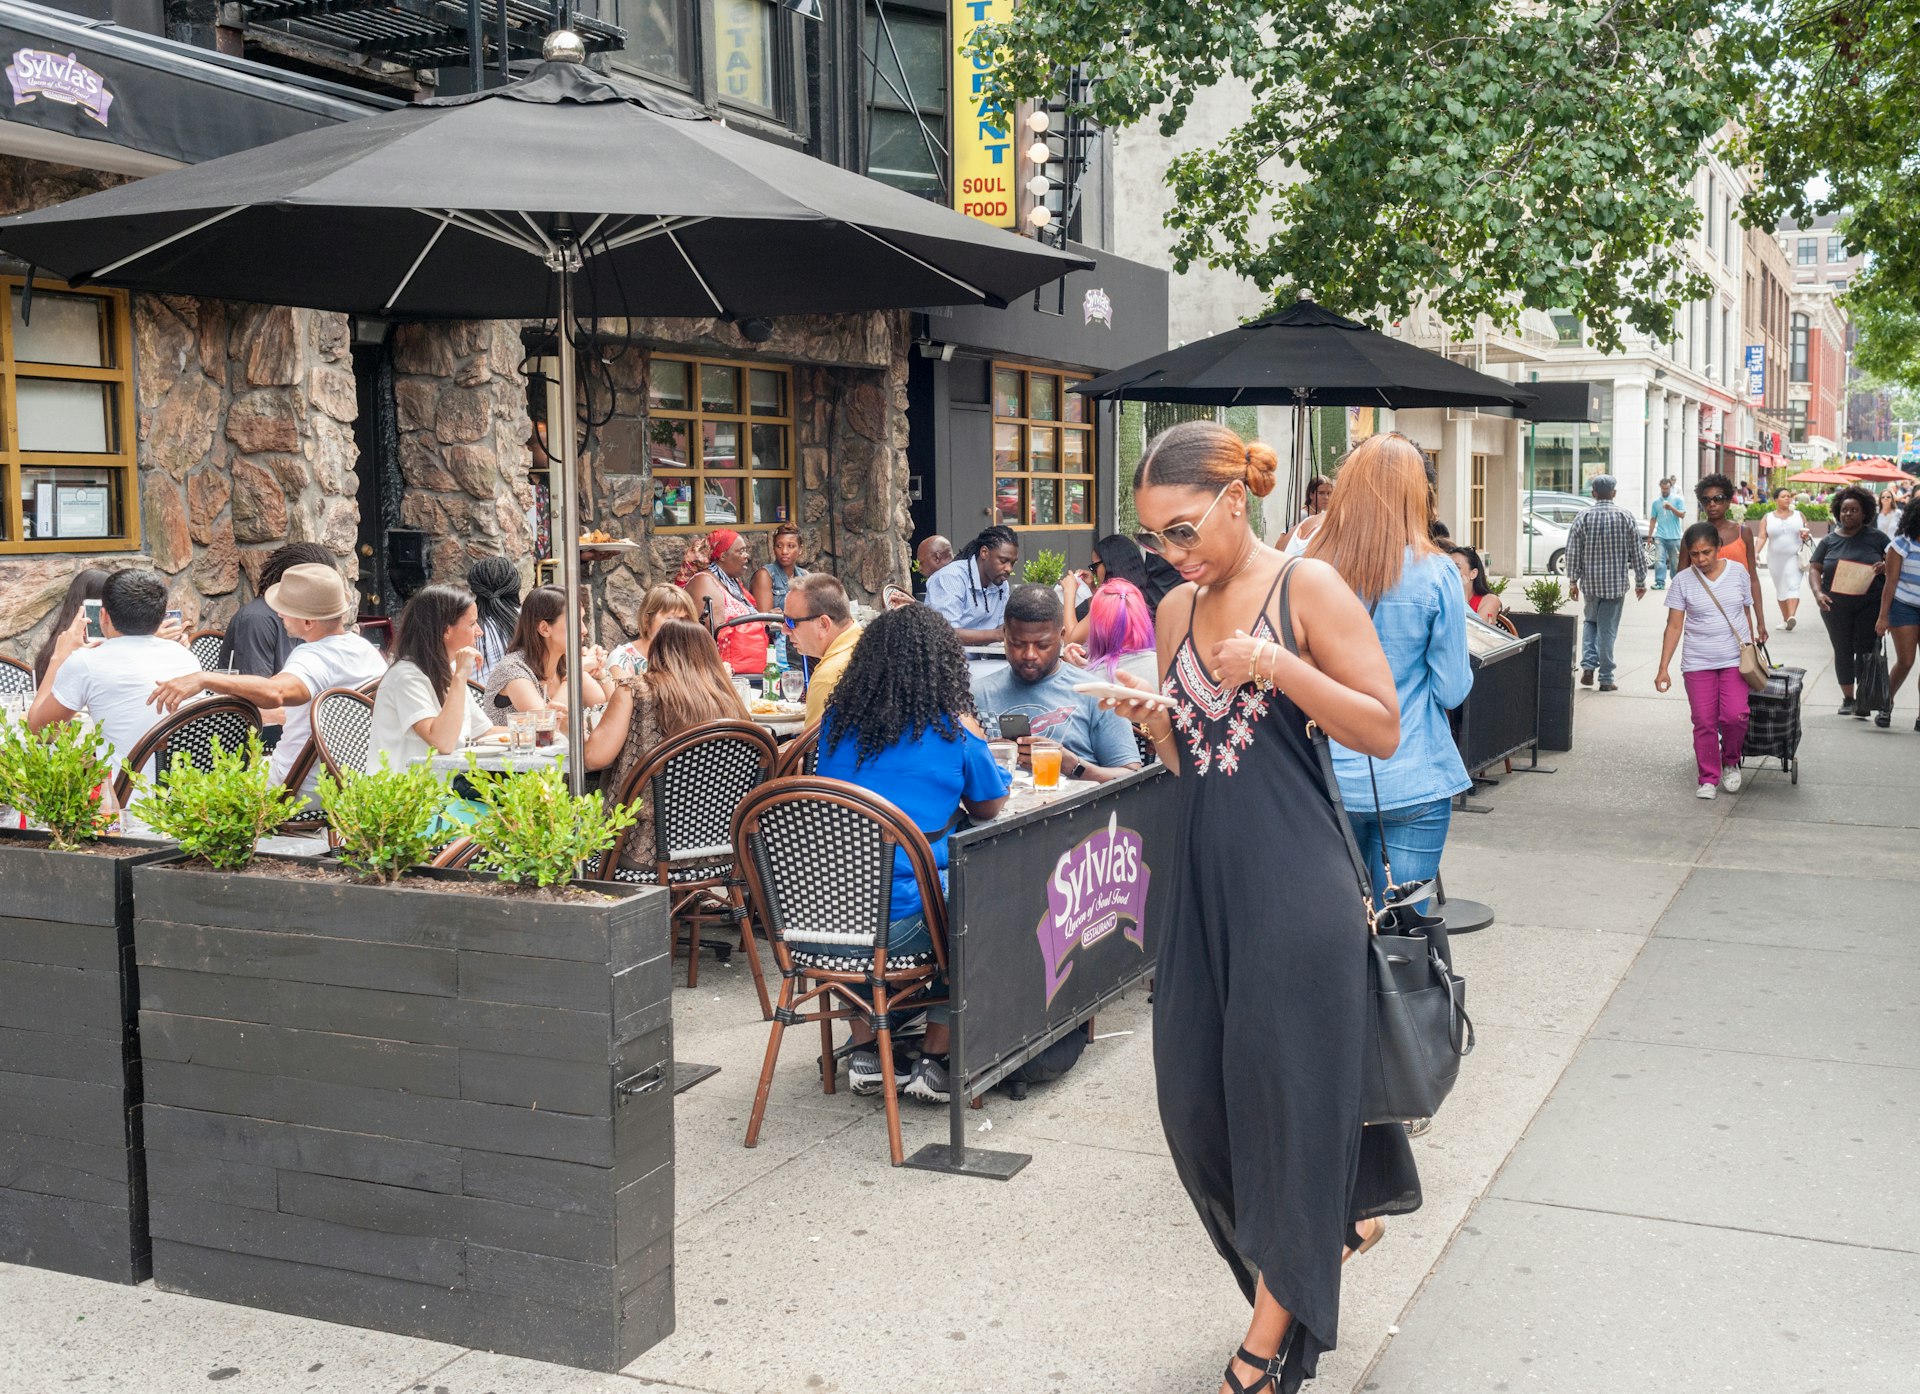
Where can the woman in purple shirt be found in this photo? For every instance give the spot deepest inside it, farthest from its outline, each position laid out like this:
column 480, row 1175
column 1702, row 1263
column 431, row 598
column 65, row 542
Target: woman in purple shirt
column 1709, row 604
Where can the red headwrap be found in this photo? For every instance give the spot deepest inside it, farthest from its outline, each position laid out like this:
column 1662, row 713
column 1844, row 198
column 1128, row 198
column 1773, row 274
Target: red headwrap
column 720, row 540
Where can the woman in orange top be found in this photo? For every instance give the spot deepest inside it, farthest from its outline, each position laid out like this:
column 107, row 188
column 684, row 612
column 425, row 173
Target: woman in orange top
column 1737, row 542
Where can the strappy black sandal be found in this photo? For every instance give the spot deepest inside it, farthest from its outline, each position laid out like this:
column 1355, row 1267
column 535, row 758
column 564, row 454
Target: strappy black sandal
column 1265, row 1364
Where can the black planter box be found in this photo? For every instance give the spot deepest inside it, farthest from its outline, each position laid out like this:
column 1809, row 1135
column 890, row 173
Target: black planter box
column 72, row 1186
column 448, row 1116
column 1559, row 651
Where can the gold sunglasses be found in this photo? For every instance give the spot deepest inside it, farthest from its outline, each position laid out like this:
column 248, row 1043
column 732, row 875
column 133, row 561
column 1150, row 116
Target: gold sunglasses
column 1181, row 536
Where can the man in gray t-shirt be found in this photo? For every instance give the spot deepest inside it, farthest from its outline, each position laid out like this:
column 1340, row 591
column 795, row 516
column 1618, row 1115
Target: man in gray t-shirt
column 1098, row 744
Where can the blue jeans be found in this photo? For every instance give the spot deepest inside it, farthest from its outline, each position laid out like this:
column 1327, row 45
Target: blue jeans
column 1598, row 633
column 1667, row 560
column 906, row 936
column 1415, row 837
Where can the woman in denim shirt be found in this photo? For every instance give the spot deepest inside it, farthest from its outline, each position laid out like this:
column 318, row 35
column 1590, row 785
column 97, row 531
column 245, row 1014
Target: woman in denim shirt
column 1376, row 537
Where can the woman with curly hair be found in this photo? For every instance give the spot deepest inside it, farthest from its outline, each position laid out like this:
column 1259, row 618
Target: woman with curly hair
column 1900, row 603
column 1849, row 599
column 901, row 724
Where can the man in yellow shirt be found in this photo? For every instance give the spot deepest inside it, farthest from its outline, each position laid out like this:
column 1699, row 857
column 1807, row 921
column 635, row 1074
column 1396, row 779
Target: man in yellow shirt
column 820, row 624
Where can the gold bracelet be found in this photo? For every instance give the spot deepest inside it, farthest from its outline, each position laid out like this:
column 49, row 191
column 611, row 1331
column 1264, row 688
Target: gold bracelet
column 1273, row 670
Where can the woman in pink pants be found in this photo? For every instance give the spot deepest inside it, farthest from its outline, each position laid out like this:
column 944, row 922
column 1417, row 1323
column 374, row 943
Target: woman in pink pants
column 1709, row 604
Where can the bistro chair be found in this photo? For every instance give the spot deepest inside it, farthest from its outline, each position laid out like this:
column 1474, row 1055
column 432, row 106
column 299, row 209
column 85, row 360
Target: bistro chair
column 16, row 679
column 892, row 597
column 818, row 856
column 694, row 781
column 457, row 855
column 342, row 738
column 801, row 754
column 1500, row 621
column 205, row 645
column 190, row 731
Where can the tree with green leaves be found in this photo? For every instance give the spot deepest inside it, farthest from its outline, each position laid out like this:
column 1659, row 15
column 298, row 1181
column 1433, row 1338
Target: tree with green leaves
column 1484, row 156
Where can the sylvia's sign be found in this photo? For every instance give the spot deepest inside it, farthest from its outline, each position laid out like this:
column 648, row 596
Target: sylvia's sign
column 1097, row 887
column 59, row 77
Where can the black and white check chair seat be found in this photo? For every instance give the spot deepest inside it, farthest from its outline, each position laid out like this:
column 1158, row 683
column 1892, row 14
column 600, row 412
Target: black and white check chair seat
column 205, row 647
column 190, row 731
column 701, row 872
column 818, row 855
column 16, row 679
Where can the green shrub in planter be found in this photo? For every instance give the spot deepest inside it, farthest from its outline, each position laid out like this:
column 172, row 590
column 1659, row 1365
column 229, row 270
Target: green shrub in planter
column 1816, row 512
column 1498, row 584
column 387, row 820
column 217, row 814
column 58, row 779
column 1546, row 595
column 533, row 830
column 1044, row 569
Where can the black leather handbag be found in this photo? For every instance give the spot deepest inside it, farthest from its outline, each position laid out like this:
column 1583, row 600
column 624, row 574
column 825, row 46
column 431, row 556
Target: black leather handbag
column 1418, row 1029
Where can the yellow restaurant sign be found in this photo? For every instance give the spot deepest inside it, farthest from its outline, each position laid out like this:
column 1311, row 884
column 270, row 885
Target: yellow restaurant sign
column 984, row 160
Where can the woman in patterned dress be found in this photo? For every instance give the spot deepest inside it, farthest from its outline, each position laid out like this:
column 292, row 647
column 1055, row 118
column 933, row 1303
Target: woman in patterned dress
column 1260, row 999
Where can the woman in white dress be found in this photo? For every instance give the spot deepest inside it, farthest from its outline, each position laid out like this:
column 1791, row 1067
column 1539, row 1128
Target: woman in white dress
column 1781, row 533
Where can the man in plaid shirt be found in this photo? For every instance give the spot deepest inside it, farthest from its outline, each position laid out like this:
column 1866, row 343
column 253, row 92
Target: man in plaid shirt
column 1602, row 544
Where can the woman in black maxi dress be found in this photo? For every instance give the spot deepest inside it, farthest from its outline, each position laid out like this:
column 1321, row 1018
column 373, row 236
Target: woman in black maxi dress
column 1260, row 995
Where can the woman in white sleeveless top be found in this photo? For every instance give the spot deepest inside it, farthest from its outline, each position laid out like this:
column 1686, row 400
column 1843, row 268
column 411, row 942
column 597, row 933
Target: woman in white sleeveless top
column 1781, row 533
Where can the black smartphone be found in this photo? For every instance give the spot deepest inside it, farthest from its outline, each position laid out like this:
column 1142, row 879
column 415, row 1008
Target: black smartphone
column 1014, row 725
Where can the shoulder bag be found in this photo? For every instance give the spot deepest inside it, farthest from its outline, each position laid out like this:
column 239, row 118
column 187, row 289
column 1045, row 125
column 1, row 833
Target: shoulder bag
column 1417, row 1024
column 1755, row 665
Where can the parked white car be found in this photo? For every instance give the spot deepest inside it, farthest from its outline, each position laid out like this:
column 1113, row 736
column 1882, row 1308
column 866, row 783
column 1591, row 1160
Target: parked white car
column 1543, row 545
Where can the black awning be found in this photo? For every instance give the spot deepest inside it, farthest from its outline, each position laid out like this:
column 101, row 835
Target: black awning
column 1555, row 401
column 76, row 79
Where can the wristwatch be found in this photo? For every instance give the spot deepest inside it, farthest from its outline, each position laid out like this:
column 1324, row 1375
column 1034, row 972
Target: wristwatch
column 1079, row 766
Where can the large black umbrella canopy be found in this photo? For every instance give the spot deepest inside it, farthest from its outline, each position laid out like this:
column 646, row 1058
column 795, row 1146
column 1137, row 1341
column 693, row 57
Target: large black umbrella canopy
column 1304, row 356
column 568, row 195
column 451, row 209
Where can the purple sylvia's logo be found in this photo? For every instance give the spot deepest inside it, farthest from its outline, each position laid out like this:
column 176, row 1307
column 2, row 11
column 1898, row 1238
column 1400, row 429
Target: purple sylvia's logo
column 59, row 77
column 1098, row 886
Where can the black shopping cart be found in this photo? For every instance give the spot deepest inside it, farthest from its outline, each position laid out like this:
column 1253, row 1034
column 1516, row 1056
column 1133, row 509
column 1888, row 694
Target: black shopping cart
column 1773, row 720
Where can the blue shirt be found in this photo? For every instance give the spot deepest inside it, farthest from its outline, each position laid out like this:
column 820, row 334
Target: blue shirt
column 955, row 593
column 1075, row 719
column 925, row 779
column 1666, row 521
column 1422, row 626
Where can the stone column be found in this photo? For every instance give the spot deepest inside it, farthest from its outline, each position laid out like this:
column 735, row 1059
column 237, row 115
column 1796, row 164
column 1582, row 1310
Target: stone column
column 1630, row 442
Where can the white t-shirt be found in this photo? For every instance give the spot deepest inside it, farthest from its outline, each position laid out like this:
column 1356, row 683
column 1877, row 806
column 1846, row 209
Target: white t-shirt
column 338, row 660
column 113, row 680
column 1710, row 639
column 405, row 697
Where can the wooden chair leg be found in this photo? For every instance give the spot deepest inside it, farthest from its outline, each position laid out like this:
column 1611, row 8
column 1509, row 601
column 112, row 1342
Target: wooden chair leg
column 883, row 1042
column 749, row 945
column 826, row 1054
column 766, row 1070
column 693, row 945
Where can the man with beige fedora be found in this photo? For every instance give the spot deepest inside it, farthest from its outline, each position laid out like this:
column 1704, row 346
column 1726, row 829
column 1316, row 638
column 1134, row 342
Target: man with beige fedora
column 313, row 602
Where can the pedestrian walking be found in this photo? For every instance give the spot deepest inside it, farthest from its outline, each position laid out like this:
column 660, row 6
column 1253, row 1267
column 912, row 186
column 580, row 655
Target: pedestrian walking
column 1900, row 603
column 1602, row 546
column 1847, row 575
column 1710, row 606
column 1669, row 518
column 1260, row 997
column 1737, row 542
column 1781, row 533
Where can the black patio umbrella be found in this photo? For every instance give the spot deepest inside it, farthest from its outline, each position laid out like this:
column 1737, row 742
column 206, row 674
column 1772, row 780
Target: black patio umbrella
column 570, row 195
column 1304, row 356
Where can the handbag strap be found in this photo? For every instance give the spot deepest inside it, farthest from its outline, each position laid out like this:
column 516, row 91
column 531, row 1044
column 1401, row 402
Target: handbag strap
column 1723, row 610
column 1323, row 756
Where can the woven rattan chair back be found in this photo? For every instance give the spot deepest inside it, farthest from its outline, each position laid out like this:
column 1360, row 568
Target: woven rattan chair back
column 16, row 679
column 206, row 645
column 801, row 755
column 191, row 731
column 343, row 730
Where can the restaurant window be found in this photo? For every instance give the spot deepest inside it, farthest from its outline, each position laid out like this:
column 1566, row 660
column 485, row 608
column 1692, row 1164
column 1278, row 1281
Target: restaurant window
column 1042, row 450
column 659, row 38
column 1797, row 349
column 719, row 443
column 727, row 53
column 905, row 79
column 1808, row 251
column 67, row 465
column 745, row 57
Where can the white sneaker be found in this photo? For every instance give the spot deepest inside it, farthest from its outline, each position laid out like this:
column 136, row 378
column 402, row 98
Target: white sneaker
column 1730, row 779
column 1707, row 791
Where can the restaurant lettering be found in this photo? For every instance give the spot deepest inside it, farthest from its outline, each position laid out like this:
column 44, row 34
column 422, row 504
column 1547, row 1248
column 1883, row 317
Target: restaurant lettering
column 59, row 77
column 983, row 157
column 1098, row 886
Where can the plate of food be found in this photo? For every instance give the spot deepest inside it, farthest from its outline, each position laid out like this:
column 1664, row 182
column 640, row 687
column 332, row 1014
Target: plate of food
column 776, row 713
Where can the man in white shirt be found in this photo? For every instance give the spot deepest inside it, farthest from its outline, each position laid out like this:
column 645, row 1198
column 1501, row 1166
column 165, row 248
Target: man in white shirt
column 312, row 601
column 110, row 678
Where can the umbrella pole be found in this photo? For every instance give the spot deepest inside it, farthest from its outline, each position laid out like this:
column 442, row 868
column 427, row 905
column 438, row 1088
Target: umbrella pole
column 1297, row 476
column 567, row 545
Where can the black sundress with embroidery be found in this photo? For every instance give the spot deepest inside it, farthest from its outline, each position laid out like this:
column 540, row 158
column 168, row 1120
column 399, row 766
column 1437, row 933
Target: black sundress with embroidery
column 1260, row 1004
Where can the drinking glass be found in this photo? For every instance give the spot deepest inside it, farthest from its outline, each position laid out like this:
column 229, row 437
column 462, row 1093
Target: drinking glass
column 793, row 684
column 745, row 689
column 545, row 722
column 519, row 731
column 1006, row 754
column 1046, row 762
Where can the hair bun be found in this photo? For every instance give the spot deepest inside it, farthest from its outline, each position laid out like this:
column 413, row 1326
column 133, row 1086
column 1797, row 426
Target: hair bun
column 1263, row 466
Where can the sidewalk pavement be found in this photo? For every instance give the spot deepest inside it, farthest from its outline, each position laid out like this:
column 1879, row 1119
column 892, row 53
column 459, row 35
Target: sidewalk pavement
column 1687, row 1183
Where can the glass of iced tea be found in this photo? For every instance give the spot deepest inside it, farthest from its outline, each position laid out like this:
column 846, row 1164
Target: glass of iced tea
column 1045, row 755
column 545, row 722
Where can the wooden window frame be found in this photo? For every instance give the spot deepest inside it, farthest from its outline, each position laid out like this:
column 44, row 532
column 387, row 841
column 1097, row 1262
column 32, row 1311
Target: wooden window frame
column 695, row 417
column 124, row 460
column 1027, row 474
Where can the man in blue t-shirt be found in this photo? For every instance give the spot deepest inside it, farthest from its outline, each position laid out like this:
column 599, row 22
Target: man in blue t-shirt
column 1669, row 516
column 1097, row 744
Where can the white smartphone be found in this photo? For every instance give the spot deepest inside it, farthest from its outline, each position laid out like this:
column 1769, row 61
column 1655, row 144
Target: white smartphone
column 1118, row 693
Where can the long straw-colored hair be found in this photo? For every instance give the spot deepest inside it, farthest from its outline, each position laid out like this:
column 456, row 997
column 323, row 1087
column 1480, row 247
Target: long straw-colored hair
column 1382, row 504
column 688, row 682
column 660, row 604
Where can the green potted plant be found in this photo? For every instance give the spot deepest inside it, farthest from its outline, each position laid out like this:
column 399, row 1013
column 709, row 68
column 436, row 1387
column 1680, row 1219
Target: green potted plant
column 428, row 1101
column 1559, row 648
column 1044, row 568
column 72, row 1194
